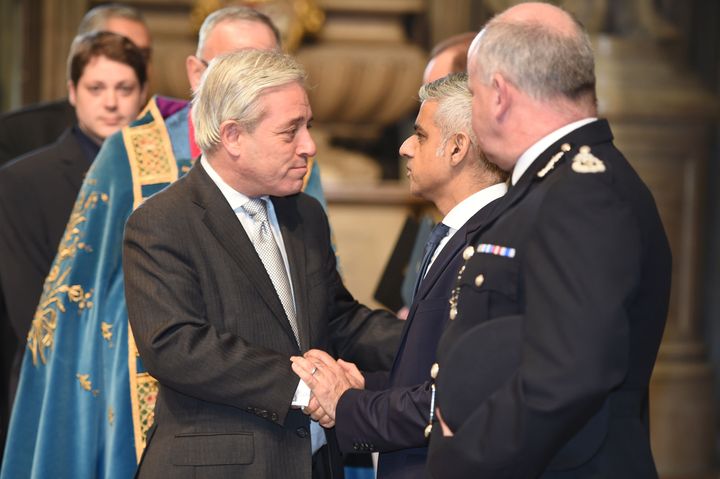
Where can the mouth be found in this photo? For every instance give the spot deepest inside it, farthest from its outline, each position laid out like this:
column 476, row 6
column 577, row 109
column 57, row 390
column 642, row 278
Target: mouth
column 300, row 169
column 112, row 121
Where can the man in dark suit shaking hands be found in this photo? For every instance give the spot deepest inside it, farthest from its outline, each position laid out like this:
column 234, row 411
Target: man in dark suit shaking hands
column 228, row 273
column 560, row 308
column 445, row 166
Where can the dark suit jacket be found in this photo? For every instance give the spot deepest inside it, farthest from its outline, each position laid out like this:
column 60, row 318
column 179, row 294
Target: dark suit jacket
column 32, row 127
column 545, row 370
column 392, row 420
column 37, row 193
column 210, row 327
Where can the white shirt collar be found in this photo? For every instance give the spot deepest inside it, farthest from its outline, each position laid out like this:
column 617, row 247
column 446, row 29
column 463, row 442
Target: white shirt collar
column 234, row 197
column 527, row 158
column 464, row 210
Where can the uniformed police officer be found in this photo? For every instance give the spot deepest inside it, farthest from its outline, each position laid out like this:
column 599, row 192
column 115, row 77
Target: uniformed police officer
column 559, row 309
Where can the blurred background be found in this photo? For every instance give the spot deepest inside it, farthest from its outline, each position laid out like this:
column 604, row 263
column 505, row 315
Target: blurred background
column 658, row 69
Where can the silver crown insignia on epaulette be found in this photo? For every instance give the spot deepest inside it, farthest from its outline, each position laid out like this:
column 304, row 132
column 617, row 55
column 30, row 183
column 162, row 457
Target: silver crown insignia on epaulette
column 586, row 162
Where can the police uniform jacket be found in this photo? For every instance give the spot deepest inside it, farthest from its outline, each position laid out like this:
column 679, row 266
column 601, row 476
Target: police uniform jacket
column 558, row 316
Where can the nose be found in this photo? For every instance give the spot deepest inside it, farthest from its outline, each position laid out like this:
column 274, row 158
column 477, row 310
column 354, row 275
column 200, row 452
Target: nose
column 306, row 146
column 406, row 148
column 111, row 99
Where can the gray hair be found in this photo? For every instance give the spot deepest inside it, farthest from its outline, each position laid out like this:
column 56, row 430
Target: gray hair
column 231, row 87
column 96, row 18
column 236, row 13
column 454, row 112
column 538, row 59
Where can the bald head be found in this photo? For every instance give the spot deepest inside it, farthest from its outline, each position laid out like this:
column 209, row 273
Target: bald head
column 448, row 56
column 541, row 49
column 230, row 30
column 540, row 13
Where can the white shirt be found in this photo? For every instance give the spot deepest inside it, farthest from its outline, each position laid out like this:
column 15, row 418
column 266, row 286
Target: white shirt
column 527, row 158
column 466, row 209
column 236, row 201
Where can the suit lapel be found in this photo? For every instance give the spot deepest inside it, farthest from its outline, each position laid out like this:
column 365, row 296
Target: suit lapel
column 292, row 232
column 222, row 223
column 458, row 241
column 442, row 263
column 73, row 162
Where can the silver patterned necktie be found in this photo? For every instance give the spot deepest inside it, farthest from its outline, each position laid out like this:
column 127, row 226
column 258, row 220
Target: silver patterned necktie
column 269, row 253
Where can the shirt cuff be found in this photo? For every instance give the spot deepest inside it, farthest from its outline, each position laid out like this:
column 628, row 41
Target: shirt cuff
column 301, row 398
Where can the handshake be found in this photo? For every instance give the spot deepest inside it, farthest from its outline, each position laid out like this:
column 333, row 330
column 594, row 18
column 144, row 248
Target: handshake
column 328, row 380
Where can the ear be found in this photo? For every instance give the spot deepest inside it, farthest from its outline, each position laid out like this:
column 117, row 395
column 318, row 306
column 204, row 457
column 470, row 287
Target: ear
column 72, row 94
column 230, row 136
column 459, row 146
column 502, row 96
column 194, row 68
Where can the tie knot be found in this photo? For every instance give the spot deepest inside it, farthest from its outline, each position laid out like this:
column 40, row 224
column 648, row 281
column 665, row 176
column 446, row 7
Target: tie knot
column 438, row 233
column 255, row 207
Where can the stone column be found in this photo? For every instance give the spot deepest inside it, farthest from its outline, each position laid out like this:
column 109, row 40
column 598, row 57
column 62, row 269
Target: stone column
column 664, row 121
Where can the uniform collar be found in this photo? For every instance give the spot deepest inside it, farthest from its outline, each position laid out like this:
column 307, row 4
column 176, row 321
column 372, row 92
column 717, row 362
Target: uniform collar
column 527, row 158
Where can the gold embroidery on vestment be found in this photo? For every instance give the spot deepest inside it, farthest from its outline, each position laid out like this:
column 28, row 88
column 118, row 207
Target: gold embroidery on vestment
column 56, row 289
column 86, row 384
column 106, row 329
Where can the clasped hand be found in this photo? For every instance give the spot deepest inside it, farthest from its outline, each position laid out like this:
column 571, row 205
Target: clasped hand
column 328, row 380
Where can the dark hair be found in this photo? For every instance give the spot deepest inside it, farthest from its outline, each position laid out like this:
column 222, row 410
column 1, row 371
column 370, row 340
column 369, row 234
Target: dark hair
column 111, row 45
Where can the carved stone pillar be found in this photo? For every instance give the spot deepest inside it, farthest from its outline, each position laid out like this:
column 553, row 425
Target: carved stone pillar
column 60, row 19
column 664, row 121
column 364, row 75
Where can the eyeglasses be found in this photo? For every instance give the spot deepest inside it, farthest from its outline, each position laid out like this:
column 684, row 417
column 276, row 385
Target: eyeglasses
column 204, row 62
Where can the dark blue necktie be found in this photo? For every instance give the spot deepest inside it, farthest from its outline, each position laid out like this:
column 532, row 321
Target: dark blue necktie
column 436, row 235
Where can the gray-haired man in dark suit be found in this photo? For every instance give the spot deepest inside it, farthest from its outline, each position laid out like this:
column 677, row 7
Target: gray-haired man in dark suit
column 228, row 273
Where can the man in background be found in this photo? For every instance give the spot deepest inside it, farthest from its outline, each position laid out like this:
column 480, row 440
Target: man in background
column 560, row 307
column 448, row 56
column 391, row 415
column 32, row 127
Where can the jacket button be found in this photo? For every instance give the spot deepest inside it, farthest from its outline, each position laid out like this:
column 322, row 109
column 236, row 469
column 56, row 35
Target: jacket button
column 468, row 253
column 301, row 432
column 356, row 446
column 434, row 370
column 479, row 280
column 274, row 417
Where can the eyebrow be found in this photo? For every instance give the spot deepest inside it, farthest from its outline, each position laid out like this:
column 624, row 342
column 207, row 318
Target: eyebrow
column 297, row 121
column 419, row 129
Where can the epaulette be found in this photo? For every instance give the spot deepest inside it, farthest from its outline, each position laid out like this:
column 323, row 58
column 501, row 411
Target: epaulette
column 586, row 162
